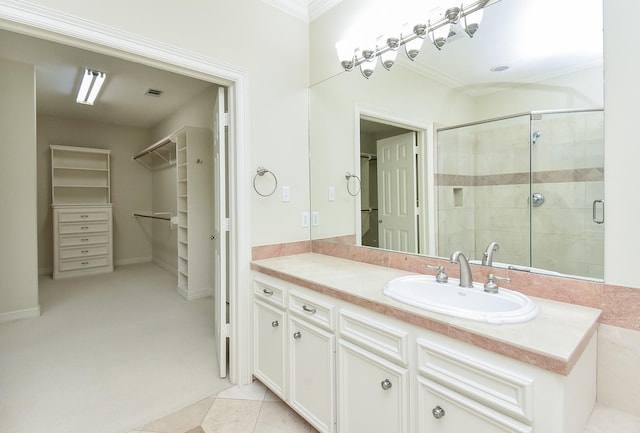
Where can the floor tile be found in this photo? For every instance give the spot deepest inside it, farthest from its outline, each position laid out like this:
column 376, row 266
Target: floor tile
column 253, row 391
column 232, row 416
column 183, row 420
column 277, row 417
column 270, row 396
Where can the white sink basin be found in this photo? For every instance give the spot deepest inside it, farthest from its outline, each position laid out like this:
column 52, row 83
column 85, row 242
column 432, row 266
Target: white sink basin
column 423, row 291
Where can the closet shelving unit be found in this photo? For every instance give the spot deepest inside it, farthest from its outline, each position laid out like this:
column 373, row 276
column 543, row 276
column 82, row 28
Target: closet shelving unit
column 82, row 214
column 194, row 168
column 193, row 159
column 183, row 213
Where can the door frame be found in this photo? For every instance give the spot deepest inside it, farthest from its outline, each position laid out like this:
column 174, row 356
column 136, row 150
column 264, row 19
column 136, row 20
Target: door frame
column 51, row 25
column 426, row 153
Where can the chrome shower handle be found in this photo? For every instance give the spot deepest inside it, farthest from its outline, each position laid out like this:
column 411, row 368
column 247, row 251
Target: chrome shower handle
column 595, row 211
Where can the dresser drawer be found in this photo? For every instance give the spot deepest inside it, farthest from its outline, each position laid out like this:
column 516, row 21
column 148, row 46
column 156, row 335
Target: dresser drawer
column 89, row 227
column 313, row 309
column 88, row 251
column 83, row 215
column 90, row 239
column 89, row 262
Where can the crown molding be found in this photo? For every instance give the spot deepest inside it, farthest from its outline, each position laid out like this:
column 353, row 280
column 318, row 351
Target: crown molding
column 305, row 10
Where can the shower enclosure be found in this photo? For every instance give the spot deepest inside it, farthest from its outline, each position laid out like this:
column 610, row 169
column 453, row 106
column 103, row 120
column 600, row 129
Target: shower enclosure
column 532, row 182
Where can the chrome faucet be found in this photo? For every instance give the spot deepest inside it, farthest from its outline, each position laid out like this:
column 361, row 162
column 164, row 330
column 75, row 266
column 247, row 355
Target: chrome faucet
column 466, row 280
column 487, row 256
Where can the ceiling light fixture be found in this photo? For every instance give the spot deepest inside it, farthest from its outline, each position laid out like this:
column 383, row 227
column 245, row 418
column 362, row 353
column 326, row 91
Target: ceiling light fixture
column 90, row 86
column 468, row 18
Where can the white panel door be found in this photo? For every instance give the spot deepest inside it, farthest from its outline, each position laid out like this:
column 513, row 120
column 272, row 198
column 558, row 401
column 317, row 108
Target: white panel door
column 397, row 193
column 220, row 228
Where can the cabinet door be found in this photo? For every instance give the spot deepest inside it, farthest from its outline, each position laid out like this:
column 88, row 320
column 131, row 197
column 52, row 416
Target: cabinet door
column 269, row 346
column 312, row 373
column 442, row 410
column 372, row 392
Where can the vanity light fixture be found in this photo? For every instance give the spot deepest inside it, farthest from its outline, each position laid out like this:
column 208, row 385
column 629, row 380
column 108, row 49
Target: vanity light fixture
column 90, row 86
column 454, row 20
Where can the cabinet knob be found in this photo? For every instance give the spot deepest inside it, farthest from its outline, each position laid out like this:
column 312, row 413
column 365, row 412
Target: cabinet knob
column 386, row 384
column 309, row 310
column 437, row 412
column 212, row 237
column 297, row 335
column 275, row 324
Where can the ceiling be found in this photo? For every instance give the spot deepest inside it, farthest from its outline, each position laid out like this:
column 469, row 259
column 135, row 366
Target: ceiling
column 122, row 100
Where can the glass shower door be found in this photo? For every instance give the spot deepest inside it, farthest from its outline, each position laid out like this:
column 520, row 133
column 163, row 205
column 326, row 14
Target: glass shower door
column 567, row 192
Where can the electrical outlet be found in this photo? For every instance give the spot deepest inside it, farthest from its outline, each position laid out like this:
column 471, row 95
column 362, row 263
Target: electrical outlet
column 305, row 219
column 285, row 194
column 332, row 193
column 315, row 218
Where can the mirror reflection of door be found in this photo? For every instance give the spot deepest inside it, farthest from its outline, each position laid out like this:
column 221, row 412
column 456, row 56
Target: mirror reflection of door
column 397, row 223
column 388, row 196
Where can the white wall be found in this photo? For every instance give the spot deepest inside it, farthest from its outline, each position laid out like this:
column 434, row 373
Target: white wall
column 18, row 255
column 130, row 184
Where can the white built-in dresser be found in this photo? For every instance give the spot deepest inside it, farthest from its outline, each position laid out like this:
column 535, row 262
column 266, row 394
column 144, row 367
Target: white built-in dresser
column 82, row 215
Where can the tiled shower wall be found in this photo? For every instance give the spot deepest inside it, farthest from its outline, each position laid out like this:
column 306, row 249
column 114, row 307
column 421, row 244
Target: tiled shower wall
column 483, row 191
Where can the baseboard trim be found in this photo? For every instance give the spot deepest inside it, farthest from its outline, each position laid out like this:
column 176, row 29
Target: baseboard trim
column 29, row 313
column 132, row 261
column 190, row 295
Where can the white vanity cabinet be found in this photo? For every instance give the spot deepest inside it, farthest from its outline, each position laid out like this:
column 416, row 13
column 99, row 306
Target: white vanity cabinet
column 294, row 350
column 393, row 376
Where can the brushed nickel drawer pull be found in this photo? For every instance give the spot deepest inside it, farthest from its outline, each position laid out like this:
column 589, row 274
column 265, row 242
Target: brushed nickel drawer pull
column 84, row 251
column 84, row 216
column 297, row 335
column 84, row 263
column 275, row 323
column 267, row 292
column 309, row 310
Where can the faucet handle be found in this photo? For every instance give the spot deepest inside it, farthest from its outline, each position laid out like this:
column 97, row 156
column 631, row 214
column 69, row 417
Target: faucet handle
column 490, row 286
column 441, row 277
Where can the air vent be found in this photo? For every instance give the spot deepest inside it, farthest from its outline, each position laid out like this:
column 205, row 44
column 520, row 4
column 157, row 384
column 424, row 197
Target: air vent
column 153, row 92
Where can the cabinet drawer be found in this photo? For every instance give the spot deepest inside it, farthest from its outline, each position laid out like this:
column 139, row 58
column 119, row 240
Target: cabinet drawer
column 313, row 310
column 88, row 251
column 386, row 341
column 443, row 410
column 490, row 385
column 91, row 239
column 90, row 227
column 271, row 293
column 92, row 262
column 79, row 216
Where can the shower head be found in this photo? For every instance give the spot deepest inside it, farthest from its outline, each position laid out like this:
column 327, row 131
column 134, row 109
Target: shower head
column 535, row 136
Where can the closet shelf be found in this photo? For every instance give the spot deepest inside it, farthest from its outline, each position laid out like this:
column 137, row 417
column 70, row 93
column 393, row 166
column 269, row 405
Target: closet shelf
column 159, row 154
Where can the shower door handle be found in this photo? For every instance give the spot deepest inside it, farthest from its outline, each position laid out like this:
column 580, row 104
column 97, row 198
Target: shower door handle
column 595, row 211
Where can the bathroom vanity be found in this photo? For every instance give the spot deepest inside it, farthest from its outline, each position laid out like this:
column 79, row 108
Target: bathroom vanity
column 349, row 359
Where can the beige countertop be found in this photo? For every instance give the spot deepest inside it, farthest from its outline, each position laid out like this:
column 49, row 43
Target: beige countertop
column 554, row 340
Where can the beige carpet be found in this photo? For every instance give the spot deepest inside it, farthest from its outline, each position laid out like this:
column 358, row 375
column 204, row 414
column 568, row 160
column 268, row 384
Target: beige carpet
column 108, row 354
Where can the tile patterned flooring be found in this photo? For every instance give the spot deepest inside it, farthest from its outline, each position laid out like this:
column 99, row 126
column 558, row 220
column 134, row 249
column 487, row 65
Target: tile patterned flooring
column 255, row 409
column 248, row 409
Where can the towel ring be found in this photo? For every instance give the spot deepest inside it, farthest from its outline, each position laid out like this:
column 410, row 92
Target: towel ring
column 261, row 171
column 348, row 176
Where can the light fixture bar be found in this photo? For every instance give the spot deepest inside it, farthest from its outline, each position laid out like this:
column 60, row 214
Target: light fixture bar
column 90, row 86
column 419, row 31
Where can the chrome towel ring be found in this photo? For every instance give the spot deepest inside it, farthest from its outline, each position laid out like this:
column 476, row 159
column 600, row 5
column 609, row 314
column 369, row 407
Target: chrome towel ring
column 348, row 176
column 261, row 171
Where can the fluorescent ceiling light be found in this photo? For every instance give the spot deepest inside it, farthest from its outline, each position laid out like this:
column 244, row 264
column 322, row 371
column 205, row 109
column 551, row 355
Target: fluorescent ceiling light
column 90, row 86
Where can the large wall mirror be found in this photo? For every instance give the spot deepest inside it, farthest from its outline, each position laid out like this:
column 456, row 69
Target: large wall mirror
column 492, row 139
